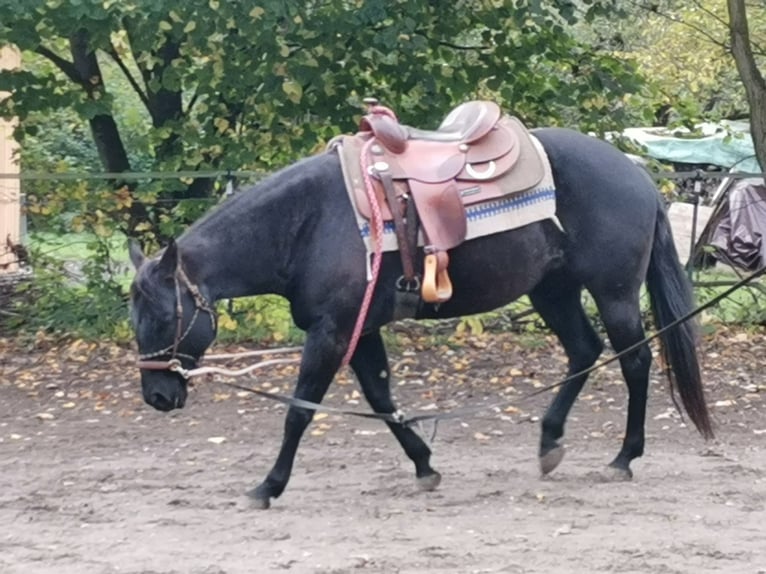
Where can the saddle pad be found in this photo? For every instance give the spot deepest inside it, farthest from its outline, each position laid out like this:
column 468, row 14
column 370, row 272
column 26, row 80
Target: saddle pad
column 518, row 168
column 485, row 218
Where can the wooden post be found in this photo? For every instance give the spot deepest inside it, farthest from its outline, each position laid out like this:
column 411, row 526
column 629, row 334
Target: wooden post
column 10, row 189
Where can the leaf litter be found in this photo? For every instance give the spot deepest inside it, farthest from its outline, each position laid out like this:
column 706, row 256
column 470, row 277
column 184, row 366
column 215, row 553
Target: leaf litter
column 428, row 373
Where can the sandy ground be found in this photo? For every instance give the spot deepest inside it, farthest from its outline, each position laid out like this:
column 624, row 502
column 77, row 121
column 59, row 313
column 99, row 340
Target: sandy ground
column 93, row 481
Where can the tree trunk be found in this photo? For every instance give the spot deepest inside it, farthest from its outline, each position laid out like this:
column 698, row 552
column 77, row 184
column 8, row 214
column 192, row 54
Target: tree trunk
column 104, row 130
column 165, row 106
column 752, row 79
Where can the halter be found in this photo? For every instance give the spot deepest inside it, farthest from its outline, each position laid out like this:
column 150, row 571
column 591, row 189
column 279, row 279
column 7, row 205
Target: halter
column 146, row 361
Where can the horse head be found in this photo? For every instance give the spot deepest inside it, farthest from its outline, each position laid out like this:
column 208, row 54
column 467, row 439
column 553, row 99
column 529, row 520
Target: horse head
column 173, row 322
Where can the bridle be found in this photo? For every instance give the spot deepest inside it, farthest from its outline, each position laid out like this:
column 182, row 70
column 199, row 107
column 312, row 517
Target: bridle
column 148, row 360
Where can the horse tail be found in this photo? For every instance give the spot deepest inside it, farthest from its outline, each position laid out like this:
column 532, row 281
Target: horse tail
column 671, row 297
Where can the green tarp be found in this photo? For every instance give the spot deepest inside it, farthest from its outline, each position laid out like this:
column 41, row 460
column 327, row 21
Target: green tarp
column 727, row 145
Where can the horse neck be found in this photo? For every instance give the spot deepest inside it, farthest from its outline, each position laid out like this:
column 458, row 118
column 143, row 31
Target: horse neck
column 245, row 246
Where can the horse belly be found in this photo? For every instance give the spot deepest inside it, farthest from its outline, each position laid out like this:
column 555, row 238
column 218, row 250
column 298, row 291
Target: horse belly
column 492, row 271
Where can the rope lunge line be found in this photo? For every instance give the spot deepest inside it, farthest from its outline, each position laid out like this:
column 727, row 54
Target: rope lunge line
column 400, row 418
column 174, row 364
column 691, row 314
column 377, row 256
column 188, row 373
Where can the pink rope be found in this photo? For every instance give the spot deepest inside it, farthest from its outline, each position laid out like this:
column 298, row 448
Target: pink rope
column 377, row 256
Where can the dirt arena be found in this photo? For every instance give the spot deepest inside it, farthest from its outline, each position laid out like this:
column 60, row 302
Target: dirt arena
column 93, row 481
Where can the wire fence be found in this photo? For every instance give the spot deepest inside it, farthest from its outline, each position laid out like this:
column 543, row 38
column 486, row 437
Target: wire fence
column 257, row 174
column 231, row 180
column 692, row 184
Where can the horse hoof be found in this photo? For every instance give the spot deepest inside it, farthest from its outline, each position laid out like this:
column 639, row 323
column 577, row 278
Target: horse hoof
column 258, row 501
column 429, row 482
column 551, row 459
column 615, row 474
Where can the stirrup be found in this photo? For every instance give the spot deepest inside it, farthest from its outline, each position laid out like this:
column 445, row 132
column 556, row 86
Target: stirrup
column 437, row 287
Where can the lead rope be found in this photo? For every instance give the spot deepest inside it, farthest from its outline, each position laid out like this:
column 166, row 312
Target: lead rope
column 377, row 229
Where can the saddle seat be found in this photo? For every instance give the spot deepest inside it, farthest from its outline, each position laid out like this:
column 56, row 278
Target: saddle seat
column 476, row 154
column 467, row 123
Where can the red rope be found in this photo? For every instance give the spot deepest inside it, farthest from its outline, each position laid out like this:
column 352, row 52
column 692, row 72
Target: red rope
column 383, row 111
column 377, row 232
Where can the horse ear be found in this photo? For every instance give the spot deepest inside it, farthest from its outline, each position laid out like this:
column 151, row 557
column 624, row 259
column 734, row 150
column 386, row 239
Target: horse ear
column 169, row 261
column 137, row 256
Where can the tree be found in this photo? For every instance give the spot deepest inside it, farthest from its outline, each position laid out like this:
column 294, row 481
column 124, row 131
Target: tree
column 746, row 53
column 237, row 85
column 681, row 47
column 685, row 49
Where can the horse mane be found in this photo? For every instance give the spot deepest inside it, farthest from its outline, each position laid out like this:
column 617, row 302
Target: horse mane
column 273, row 186
column 145, row 282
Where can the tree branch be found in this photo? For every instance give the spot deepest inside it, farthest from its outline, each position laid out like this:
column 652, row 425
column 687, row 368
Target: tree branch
column 741, row 48
column 191, row 103
column 701, row 31
column 463, row 48
column 752, row 79
column 61, row 63
column 711, row 14
column 133, row 82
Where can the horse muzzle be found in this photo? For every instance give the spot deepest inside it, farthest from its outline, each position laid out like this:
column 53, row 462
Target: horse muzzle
column 165, row 403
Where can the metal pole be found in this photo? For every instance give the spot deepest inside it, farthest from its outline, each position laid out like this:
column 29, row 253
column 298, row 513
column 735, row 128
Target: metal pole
column 696, row 195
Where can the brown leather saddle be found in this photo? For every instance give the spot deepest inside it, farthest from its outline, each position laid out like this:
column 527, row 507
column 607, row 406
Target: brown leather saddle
column 477, row 154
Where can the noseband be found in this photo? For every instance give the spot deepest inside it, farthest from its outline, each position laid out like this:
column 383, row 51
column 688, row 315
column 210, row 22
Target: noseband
column 147, row 361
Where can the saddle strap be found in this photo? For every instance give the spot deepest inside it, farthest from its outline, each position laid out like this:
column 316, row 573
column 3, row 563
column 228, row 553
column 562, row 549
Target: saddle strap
column 400, row 228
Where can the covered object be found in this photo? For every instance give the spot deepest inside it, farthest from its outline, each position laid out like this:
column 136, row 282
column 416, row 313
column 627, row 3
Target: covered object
column 735, row 231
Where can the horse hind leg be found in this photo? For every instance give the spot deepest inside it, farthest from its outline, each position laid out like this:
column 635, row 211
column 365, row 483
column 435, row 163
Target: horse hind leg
column 370, row 365
column 558, row 301
column 622, row 319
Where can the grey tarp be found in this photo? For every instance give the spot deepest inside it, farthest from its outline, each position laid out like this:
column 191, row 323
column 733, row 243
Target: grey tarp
column 738, row 236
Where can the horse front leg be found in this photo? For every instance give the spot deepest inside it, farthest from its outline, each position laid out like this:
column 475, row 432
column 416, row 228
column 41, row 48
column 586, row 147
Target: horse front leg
column 370, row 364
column 322, row 355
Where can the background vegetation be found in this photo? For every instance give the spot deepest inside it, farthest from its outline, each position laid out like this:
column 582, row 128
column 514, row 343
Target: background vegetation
column 165, row 86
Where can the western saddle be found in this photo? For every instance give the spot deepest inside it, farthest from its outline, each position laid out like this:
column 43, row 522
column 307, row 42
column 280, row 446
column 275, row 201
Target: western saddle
column 477, row 154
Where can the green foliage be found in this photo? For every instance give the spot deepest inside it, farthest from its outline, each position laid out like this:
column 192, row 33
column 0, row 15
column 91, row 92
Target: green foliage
column 227, row 84
column 72, row 296
column 745, row 306
column 265, row 318
column 682, row 48
column 167, row 86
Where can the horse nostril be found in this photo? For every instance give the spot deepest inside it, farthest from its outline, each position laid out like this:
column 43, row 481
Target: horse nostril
column 159, row 402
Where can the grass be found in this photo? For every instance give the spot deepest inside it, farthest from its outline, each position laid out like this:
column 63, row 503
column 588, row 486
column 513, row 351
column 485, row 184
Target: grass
column 73, row 249
column 74, row 246
column 267, row 318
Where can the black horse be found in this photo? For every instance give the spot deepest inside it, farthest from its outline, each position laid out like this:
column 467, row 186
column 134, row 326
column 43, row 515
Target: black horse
column 295, row 234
